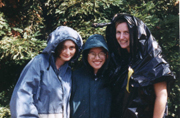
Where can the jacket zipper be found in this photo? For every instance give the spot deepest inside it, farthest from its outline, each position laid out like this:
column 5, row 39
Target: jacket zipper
column 62, row 96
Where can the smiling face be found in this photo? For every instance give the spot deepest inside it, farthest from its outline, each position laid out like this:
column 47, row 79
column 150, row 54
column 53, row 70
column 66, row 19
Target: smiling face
column 122, row 35
column 66, row 51
column 96, row 58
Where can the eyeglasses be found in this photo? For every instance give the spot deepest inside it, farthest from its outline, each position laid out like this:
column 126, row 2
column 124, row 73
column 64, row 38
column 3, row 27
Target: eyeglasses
column 101, row 55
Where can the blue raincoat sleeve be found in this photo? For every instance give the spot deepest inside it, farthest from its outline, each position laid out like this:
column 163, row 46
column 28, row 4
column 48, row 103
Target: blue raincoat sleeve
column 25, row 91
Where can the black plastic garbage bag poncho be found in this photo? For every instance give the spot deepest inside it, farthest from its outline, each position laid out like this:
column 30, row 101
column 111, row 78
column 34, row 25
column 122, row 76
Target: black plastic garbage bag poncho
column 135, row 98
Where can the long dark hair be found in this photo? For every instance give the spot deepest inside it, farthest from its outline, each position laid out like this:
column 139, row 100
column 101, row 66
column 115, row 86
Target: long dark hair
column 114, row 46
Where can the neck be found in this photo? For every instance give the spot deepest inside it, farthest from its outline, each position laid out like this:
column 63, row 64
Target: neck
column 128, row 49
column 59, row 62
column 95, row 71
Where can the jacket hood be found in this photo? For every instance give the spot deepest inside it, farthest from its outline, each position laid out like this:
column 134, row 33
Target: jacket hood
column 61, row 34
column 93, row 41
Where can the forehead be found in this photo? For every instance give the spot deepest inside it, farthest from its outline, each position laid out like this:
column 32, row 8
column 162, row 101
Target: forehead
column 69, row 43
column 122, row 26
column 96, row 49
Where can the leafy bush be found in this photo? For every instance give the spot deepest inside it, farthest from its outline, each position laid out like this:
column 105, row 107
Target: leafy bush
column 25, row 24
column 5, row 112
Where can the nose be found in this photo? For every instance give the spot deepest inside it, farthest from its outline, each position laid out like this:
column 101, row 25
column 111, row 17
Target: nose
column 97, row 56
column 67, row 51
column 121, row 36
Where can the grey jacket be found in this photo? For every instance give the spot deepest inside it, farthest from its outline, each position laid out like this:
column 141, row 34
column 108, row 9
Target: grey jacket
column 42, row 90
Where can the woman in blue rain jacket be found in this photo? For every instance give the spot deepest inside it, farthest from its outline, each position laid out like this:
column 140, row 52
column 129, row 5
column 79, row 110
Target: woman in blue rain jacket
column 44, row 86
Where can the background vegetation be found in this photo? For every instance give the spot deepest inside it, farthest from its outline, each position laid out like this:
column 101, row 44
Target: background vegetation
column 25, row 25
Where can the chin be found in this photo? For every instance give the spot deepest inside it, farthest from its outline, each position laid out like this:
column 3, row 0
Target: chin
column 67, row 59
column 124, row 47
column 97, row 68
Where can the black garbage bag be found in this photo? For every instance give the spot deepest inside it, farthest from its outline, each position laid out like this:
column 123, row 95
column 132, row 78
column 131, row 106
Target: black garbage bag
column 135, row 97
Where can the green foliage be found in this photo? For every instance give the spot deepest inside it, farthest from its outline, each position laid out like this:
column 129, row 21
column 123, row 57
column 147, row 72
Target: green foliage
column 5, row 97
column 174, row 101
column 20, row 49
column 25, row 24
column 5, row 112
column 4, row 26
column 169, row 40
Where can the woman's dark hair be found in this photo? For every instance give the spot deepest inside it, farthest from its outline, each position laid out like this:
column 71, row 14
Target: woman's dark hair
column 60, row 46
column 119, row 22
column 120, row 50
column 133, row 42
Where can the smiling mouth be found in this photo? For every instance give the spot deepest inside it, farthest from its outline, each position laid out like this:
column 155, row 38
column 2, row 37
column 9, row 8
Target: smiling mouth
column 97, row 63
column 123, row 41
column 67, row 57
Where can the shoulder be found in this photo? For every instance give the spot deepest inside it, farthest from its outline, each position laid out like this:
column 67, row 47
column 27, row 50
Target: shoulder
column 79, row 71
column 38, row 61
column 41, row 57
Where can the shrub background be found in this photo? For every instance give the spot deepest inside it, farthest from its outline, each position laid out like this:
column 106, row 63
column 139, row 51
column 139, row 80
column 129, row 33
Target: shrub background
column 25, row 25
